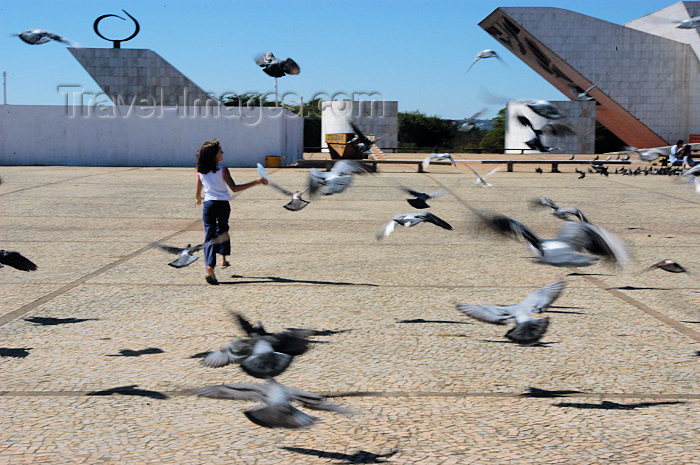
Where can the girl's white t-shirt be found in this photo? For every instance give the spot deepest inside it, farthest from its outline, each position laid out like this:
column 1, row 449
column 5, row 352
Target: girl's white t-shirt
column 214, row 185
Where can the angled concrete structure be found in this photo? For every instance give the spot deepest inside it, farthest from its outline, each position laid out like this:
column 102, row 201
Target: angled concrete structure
column 140, row 74
column 651, row 94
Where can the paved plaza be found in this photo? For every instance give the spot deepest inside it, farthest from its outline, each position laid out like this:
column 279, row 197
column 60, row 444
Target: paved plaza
column 616, row 379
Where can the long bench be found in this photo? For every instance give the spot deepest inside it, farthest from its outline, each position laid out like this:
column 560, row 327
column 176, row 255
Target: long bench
column 327, row 163
column 555, row 163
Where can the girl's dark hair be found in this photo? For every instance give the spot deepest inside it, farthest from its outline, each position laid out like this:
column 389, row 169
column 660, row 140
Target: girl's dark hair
column 686, row 149
column 206, row 156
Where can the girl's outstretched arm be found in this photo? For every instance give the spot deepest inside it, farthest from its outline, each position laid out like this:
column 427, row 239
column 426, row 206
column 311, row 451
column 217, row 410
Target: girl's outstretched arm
column 241, row 187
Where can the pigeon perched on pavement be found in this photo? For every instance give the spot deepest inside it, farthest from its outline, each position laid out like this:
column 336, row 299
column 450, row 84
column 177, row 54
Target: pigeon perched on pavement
column 481, row 181
column 16, row 260
column 411, row 219
column 437, row 157
column 420, row 198
column 668, row 265
column 565, row 248
column 527, row 330
column 560, row 212
column 278, row 411
column 488, row 53
column 273, row 66
column 337, row 179
column 260, row 354
column 40, row 36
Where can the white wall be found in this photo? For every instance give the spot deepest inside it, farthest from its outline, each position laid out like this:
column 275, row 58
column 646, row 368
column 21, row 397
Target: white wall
column 377, row 117
column 146, row 136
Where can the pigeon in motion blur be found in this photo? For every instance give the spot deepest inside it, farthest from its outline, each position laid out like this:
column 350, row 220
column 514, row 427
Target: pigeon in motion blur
column 690, row 23
column 488, row 53
column 527, row 330
column 420, row 199
column 278, row 411
column 469, row 123
column 40, row 36
column 260, row 354
column 437, row 157
column 297, row 203
column 560, row 212
column 564, row 249
column 273, row 66
column 583, row 96
column 185, row 253
column 361, row 142
column 411, row 219
column 481, row 181
column 647, row 154
column 668, row 265
column 337, row 179
column 552, row 128
column 543, row 108
column 16, row 260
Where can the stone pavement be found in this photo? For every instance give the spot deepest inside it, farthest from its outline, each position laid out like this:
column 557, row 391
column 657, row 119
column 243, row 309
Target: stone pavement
column 615, row 380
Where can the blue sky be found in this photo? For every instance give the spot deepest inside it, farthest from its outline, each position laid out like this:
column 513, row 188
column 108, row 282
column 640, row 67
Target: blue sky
column 416, row 52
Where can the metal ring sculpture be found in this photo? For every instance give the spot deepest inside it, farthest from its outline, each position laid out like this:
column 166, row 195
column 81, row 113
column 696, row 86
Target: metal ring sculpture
column 117, row 43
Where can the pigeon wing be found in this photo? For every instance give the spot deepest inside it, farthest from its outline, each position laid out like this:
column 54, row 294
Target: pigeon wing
column 430, row 218
column 16, row 260
column 542, row 298
column 488, row 313
column 233, row 352
column 279, row 416
column 387, row 229
column 514, row 228
column 236, row 391
column 350, row 167
column 290, row 66
column 169, row 248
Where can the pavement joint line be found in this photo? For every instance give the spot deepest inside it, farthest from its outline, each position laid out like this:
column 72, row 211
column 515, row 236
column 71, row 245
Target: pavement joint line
column 23, row 310
column 64, row 180
column 646, row 309
column 614, row 292
column 655, row 192
column 400, row 394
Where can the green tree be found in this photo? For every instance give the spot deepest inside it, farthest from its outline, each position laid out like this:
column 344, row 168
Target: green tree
column 496, row 137
column 419, row 130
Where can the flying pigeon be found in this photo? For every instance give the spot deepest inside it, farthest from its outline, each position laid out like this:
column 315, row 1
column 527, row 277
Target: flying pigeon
column 526, row 330
column 583, row 96
column 646, row 154
column 468, row 124
column 560, row 212
column 297, row 203
column 553, row 128
column 582, row 174
column 690, row 23
column 668, row 265
column 361, row 142
column 481, row 182
column 411, row 219
column 185, row 253
column 260, row 354
column 16, row 260
column 275, row 67
column 40, row 36
column 437, row 157
column 543, row 108
column 564, row 249
column 278, row 411
column 337, row 179
column 488, row 53
column 420, row 198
